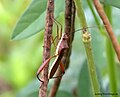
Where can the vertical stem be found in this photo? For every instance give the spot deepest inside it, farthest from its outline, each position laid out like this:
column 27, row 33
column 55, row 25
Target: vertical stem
column 96, row 18
column 87, row 44
column 108, row 27
column 92, row 69
column 111, row 57
column 72, row 30
column 80, row 13
column 111, row 67
column 47, row 46
column 69, row 28
column 68, row 18
column 56, row 84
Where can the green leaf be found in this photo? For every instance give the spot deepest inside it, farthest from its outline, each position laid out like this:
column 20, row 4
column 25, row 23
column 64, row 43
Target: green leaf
column 33, row 19
column 61, row 93
column 84, row 87
column 30, row 91
column 102, row 90
column 115, row 3
column 98, row 47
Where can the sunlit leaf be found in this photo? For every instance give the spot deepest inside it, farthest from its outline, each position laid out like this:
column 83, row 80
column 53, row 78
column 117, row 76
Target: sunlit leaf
column 33, row 20
column 30, row 22
column 115, row 3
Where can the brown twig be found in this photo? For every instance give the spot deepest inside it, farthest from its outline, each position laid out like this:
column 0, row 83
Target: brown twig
column 69, row 23
column 56, row 84
column 47, row 46
column 73, row 11
column 108, row 27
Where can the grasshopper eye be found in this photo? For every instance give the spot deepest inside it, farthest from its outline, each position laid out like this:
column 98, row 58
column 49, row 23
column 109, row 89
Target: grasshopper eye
column 64, row 38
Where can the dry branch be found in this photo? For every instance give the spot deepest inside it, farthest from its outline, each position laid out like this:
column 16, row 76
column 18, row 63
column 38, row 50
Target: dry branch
column 47, row 46
column 108, row 27
column 69, row 27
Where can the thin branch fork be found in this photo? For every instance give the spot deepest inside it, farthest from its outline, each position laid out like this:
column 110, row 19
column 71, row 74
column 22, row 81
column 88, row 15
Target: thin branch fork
column 108, row 27
column 47, row 46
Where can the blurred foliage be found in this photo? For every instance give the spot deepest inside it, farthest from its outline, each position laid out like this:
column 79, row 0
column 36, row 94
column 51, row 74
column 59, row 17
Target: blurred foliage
column 36, row 14
column 19, row 60
column 111, row 3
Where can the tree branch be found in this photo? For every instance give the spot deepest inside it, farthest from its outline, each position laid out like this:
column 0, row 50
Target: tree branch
column 47, row 46
column 69, row 28
column 108, row 27
column 86, row 39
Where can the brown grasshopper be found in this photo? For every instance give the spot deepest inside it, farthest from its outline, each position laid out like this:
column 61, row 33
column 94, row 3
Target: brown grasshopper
column 62, row 45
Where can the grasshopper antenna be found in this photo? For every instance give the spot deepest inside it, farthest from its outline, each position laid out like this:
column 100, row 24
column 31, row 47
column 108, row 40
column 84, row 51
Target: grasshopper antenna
column 87, row 28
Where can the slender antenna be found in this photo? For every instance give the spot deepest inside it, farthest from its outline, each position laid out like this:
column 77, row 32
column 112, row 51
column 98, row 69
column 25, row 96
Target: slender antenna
column 87, row 28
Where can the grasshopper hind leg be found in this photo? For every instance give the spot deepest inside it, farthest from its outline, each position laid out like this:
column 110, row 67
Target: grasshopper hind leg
column 58, row 76
column 39, row 78
column 42, row 82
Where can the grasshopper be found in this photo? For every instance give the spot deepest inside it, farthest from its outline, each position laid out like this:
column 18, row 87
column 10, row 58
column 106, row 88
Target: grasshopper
column 62, row 45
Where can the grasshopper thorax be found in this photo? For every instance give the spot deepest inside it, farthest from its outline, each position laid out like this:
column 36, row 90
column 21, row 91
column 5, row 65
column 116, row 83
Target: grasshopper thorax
column 63, row 43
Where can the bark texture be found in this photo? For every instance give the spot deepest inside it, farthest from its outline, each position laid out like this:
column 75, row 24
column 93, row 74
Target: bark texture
column 69, row 29
column 47, row 46
column 108, row 27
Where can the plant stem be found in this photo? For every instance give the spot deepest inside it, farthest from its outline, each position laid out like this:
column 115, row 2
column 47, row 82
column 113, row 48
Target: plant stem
column 86, row 38
column 111, row 67
column 92, row 69
column 111, row 57
column 96, row 18
column 108, row 27
column 47, row 46
column 69, row 28
column 80, row 13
